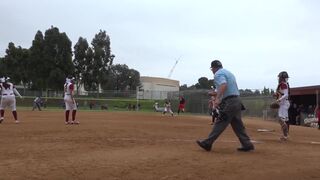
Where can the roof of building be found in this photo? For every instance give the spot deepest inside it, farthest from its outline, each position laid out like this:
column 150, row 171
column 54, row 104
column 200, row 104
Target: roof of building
column 305, row 90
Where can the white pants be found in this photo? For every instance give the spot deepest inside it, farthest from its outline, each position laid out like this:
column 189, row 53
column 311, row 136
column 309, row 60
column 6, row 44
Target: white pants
column 70, row 103
column 8, row 101
column 283, row 110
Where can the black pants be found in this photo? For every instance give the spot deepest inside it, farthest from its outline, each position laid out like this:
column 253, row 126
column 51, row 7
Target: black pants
column 230, row 113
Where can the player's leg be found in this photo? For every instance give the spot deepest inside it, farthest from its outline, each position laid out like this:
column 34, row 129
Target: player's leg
column 14, row 108
column 74, row 113
column 67, row 110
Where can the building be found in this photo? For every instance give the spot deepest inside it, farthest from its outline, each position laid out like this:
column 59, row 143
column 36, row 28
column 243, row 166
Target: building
column 157, row 88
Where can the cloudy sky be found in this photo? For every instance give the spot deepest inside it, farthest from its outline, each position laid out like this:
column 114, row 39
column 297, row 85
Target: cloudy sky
column 255, row 39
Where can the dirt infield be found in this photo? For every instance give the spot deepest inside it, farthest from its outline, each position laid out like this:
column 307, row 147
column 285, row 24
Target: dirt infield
column 130, row 145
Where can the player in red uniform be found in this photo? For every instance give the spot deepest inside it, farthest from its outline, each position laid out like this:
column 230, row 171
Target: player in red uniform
column 70, row 102
column 182, row 103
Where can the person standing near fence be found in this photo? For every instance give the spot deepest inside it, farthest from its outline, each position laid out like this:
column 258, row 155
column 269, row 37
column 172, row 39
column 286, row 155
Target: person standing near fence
column 37, row 103
column 230, row 106
column 167, row 107
column 282, row 96
column 182, row 103
column 8, row 98
column 70, row 103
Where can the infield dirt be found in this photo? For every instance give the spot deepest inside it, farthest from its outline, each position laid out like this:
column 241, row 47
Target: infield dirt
column 132, row 145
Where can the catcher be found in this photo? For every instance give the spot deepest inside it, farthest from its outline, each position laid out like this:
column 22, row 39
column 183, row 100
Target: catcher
column 213, row 111
column 282, row 103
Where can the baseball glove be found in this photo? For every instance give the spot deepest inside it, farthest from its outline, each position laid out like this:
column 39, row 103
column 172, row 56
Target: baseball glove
column 274, row 105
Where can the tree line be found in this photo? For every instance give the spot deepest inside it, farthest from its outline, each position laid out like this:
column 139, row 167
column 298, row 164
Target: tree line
column 205, row 83
column 50, row 59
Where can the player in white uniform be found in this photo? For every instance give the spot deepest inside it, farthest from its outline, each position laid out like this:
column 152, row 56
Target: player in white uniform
column 282, row 95
column 70, row 102
column 8, row 98
column 167, row 107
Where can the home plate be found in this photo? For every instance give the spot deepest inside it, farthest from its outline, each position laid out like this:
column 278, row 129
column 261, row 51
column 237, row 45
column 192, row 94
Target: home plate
column 265, row 130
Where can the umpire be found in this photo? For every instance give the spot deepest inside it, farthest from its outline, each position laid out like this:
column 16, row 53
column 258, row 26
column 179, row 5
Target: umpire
column 230, row 106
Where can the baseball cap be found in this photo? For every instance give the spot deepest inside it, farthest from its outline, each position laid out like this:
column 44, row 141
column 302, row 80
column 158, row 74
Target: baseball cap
column 216, row 64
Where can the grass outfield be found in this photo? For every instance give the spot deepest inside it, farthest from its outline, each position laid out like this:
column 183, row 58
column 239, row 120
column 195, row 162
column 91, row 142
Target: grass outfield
column 138, row 145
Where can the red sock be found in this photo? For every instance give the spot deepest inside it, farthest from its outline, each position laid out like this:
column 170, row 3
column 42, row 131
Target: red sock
column 15, row 115
column 74, row 112
column 67, row 115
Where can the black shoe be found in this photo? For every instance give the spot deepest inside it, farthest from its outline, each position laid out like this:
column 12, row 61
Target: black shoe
column 204, row 145
column 246, row 149
column 1, row 121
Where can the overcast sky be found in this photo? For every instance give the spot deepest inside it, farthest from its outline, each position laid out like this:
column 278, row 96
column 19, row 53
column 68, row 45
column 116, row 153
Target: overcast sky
column 255, row 39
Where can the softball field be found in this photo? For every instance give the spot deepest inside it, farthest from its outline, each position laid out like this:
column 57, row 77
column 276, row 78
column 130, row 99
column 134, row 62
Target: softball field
column 133, row 145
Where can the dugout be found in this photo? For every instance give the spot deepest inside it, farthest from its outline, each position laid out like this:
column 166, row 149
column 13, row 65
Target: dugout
column 307, row 95
column 304, row 97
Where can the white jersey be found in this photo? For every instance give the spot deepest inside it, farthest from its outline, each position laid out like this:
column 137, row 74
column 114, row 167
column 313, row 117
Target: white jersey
column 7, row 89
column 68, row 88
column 8, row 98
column 68, row 96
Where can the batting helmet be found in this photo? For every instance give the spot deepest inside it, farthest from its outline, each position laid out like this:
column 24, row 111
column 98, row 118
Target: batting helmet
column 283, row 75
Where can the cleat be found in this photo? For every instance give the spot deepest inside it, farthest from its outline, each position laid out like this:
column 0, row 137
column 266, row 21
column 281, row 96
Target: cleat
column 1, row 121
column 76, row 122
column 16, row 121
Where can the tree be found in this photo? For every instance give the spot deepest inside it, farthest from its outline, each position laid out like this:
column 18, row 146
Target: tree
column 120, row 77
column 102, row 59
column 80, row 58
column 15, row 64
column 58, row 58
column 203, row 83
column 39, row 69
column 183, row 87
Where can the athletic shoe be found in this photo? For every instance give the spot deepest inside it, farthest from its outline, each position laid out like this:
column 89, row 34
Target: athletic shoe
column 246, row 149
column 204, row 145
column 76, row 122
column 71, row 122
column 1, row 121
column 17, row 122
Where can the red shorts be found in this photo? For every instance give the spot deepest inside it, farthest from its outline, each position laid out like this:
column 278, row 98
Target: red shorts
column 181, row 106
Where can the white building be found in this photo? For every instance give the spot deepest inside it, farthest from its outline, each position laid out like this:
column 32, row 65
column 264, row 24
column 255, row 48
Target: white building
column 157, row 88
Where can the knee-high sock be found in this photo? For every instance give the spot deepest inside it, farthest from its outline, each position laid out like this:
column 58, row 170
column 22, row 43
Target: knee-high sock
column 67, row 115
column 15, row 115
column 74, row 112
column 284, row 128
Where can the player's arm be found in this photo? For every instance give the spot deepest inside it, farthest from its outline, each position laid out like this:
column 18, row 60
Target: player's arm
column 221, row 90
column 16, row 92
column 285, row 95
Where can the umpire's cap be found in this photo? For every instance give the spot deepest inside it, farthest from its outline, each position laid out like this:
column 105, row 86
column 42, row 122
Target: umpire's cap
column 216, row 64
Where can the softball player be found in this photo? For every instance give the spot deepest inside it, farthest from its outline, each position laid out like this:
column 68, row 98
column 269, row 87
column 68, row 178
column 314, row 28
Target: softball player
column 282, row 95
column 167, row 108
column 8, row 98
column 69, row 101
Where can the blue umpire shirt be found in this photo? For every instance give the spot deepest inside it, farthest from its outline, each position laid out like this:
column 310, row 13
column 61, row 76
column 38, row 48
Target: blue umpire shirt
column 224, row 76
